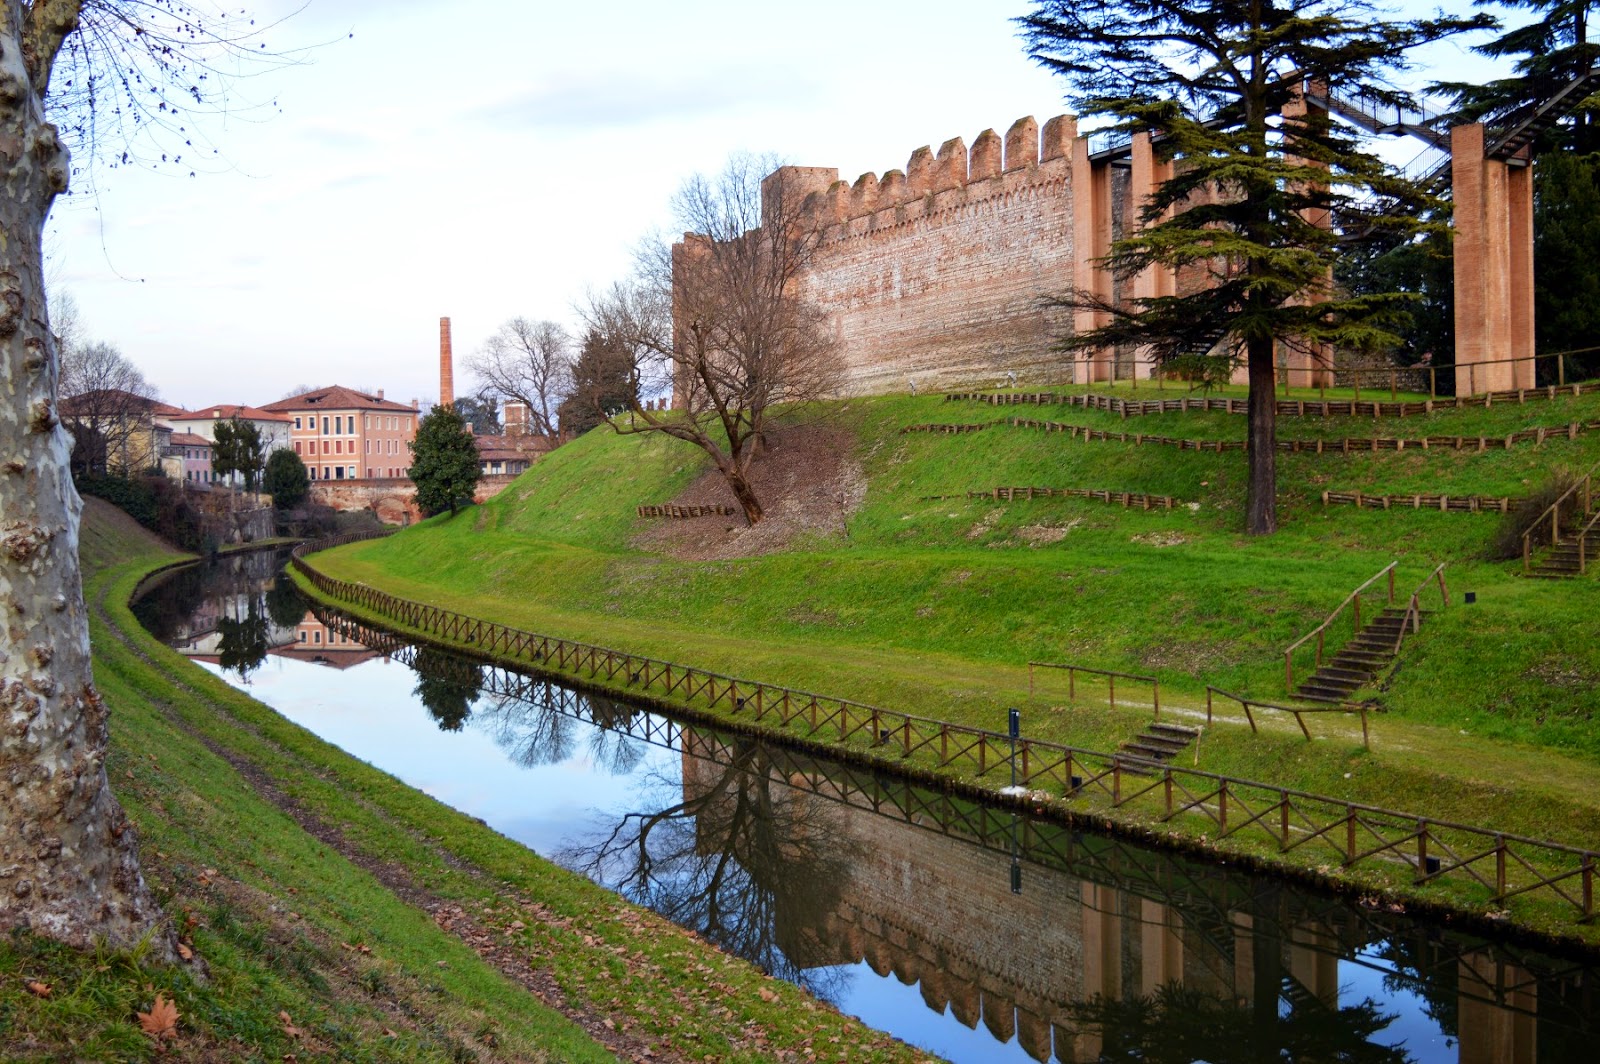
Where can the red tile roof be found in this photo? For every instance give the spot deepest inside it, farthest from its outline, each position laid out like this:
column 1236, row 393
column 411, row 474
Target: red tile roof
column 337, row 397
column 226, row 411
column 189, row 439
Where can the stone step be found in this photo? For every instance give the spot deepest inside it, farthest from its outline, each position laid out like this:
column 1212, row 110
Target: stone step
column 1336, row 671
column 1173, row 743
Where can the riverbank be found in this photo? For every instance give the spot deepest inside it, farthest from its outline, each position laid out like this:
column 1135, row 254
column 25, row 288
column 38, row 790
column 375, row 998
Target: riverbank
column 934, row 606
column 337, row 914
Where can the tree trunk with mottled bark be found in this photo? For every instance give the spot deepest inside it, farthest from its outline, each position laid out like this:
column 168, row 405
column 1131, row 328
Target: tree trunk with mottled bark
column 68, row 862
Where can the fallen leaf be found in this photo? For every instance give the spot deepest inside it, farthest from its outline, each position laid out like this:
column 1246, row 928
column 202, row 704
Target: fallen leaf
column 162, row 1019
column 38, row 989
column 288, row 1025
column 767, row 995
column 388, row 1033
column 185, row 952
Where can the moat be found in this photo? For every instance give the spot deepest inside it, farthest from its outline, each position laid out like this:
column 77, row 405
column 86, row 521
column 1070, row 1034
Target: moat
column 973, row 932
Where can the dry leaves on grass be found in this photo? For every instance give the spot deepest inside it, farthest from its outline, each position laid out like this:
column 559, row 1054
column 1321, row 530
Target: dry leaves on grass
column 38, row 989
column 161, row 1021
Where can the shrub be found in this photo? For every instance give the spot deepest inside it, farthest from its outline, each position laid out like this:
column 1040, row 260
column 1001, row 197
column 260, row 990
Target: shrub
column 1506, row 543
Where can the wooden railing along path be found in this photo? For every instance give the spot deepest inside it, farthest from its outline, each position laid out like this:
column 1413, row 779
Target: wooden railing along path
column 1128, row 500
column 1492, row 867
column 1347, row 445
column 1457, row 503
column 1328, row 408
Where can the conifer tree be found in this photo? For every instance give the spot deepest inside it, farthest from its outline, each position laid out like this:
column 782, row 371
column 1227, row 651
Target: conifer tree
column 444, row 462
column 1252, row 186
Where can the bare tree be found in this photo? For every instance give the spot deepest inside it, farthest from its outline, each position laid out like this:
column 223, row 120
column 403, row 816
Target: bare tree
column 720, row 320
column 68, row 861
column 529, row 362
column 106, row 405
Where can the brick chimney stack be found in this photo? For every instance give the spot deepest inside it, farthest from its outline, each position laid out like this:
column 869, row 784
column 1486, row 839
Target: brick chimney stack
column 447, row 384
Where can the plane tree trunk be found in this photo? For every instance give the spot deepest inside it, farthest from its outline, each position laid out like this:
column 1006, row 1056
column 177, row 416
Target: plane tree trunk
column 68, row 861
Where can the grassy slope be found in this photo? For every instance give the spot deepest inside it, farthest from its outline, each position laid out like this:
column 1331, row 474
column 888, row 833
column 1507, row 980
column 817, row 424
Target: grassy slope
column 936, row 606
column 344, row 931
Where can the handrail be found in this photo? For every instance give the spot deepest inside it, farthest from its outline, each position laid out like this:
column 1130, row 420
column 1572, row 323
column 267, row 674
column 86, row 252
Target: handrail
column 1113, row 677
column 1413, row 618
column 1502, row 864
column 1583, row 543
column 1320, row 630
column 1342, row 707
column 1553, row 512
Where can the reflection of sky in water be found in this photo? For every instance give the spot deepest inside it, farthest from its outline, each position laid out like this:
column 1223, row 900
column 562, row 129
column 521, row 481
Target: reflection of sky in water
column 370, row 711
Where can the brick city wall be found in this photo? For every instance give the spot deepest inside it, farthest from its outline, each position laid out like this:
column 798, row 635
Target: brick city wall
column 936, row 273
column 394, row 501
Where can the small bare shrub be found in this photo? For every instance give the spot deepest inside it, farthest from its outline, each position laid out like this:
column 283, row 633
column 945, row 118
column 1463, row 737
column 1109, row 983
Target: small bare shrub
column 1506, row 543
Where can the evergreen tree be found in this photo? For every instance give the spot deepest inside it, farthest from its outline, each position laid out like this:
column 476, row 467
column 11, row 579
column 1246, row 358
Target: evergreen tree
column 444, row 462
column 1566, row 256
column 602, row 384
column 237, row 447
column 286, row 479
column 1209, row 81
column 1550, row 52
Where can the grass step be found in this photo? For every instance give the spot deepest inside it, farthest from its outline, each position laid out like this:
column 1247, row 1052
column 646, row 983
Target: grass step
column 1156, row 753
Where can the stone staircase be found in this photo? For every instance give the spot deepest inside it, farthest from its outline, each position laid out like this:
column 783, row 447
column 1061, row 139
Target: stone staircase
column 1361, row 661
column 1158, row 743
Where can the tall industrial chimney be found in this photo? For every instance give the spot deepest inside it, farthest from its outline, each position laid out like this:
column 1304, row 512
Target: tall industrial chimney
column 447, row 384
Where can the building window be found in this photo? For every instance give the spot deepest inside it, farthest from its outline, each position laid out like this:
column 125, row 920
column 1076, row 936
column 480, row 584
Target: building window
column 338, row 447
column 369, row 447
column 366, row 421
column 302, row 637
column 324, row 446
column 352, row 472
column 338, row 472
column 324, row 425
column 296, row 446
column 316, row 637
column 297, row 423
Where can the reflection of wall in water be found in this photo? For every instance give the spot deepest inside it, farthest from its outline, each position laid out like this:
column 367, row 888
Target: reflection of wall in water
column 939, row 912
column 198, row 637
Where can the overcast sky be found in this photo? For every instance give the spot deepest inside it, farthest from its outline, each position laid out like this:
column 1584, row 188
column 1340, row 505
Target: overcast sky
column 482, row 159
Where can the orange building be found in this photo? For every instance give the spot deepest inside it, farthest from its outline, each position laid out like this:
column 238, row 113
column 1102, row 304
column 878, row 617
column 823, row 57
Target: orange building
column 343, row 434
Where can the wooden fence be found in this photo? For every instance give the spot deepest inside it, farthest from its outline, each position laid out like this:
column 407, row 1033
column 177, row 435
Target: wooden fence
column 1347, row 445
column 1298, row 712
column 686, row 511
column 1126, row 408
column 1454, row 503
column 1579, row 494
column 1128, row 500
column 1490, row 867
column 1111, row 681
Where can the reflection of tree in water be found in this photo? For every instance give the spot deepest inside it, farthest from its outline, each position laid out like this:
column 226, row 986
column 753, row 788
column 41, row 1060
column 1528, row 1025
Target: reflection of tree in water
column 285, row 606
column 166, row 608
column 242, row 645
column 737, row 856
column 544, row 729
column 447, row 684
column 1178, row 1024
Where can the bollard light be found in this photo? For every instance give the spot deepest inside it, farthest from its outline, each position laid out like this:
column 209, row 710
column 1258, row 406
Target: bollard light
column 1470, row 597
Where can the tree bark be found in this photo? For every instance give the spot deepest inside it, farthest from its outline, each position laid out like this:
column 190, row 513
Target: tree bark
column 1261, row 507
column 745, row 494
column 68, row 861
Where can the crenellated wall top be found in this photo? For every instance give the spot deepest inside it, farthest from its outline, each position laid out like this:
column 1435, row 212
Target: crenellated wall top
column 991, row 166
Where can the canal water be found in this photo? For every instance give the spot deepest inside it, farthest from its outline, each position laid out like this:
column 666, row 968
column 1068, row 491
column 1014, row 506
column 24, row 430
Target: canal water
column 972, row 932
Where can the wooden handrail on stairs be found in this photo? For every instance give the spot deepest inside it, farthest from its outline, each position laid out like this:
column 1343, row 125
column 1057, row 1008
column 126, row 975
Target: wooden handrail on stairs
column 1320, row 631
column 1413, row 618
column 1553, row 513
column 1583, row 542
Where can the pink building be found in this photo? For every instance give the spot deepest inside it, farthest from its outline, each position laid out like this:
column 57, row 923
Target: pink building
column 190, row 458
column 343, row 434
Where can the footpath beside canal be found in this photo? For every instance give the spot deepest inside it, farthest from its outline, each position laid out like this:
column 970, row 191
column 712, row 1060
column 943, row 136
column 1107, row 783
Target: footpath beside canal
column 1479, row 872
column 330, row 912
